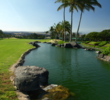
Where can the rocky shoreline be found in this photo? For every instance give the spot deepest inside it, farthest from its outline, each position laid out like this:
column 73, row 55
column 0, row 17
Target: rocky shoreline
column 32, row 81
column 99, row 54
column 20, row 95
column 103, row 57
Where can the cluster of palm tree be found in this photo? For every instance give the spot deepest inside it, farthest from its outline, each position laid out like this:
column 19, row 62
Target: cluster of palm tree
column 57, row 30
column 78, row 5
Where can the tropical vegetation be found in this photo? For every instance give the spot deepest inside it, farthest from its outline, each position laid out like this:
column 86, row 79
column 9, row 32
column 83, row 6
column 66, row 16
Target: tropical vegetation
column 58, row 31
column 77, row 5
column 97, row 36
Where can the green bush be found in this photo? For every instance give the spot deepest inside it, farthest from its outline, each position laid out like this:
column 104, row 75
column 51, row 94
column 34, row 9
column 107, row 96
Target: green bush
column 86, row 42
column 102, row 43
column 106, row 51
column 61, row 42
column 97, row 43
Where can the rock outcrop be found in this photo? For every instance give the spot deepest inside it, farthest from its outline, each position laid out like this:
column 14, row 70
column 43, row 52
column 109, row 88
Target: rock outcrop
column 72, row 45
column 68, row 45
column 104, row 57
column 35, row 44
column 30, row 78
column 54, row 44
column 98, row 52
column 75, row 44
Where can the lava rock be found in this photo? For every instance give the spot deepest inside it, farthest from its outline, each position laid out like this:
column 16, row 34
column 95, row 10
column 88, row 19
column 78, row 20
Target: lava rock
column 100, row 55
column 75, row 44
column 54, row 44
column 68, row 45
column 35, row 44
column 98, row 52
column 30, row 78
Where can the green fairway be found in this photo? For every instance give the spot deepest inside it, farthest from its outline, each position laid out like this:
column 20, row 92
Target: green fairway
column 10, row 52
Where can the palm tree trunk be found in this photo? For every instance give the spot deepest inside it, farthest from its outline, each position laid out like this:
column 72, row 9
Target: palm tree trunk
column 78, row 26
column 64, row 22
column 71, row 25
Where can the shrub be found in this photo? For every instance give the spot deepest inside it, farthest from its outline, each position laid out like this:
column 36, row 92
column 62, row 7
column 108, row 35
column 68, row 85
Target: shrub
column 86, row 42
column 97, row 43
column 92, row 43
column 61, row 42
column 106, row 51
column 102, row 43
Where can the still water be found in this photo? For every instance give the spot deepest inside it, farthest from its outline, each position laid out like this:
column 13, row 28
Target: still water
column 76, row 69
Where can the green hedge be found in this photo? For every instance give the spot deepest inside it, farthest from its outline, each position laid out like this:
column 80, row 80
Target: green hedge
column 102, row 43
column 106, row 51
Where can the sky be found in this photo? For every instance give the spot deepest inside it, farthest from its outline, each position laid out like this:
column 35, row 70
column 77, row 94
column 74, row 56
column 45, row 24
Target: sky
column 40, row 15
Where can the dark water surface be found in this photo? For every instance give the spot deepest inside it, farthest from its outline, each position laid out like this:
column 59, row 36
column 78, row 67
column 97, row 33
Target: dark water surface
column 76, row 69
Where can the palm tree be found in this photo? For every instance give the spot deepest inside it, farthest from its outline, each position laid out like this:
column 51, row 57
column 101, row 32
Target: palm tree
column 63, row 5
column 67, row 28
column 73, row 4
column 86, row 5
column 58, row 29
column 52, row 32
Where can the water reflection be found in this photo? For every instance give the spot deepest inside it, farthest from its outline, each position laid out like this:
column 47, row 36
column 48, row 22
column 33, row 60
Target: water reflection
column 77, row 69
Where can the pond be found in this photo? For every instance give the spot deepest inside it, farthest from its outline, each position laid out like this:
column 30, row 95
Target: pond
column 76, row 69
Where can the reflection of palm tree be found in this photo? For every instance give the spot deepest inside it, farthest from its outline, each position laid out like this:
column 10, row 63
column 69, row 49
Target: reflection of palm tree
column 88, row 5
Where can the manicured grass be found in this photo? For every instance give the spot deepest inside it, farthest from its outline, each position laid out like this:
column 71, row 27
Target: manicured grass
column 61, row 42
column 103, row 46
column 44, row 40
column 10, row 52
column 92, row 43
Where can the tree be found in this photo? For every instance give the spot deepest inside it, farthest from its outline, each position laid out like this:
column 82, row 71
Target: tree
column 67, row 28
column 60, row 28
column 105, row 35
column 46, row 33
column 73, row 5
column 93, row 36
column 52, row 32
column 1, row 34
column 83, row 37
column 63, row 5
column 86, row 5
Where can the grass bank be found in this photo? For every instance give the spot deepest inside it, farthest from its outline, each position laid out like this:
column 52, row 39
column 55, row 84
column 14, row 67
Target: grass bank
column 103, row 46
column 10, row 52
